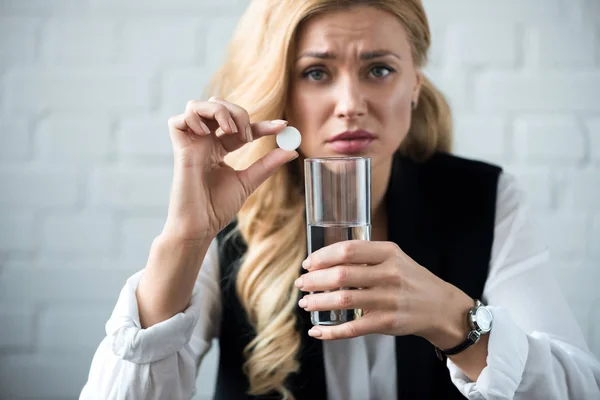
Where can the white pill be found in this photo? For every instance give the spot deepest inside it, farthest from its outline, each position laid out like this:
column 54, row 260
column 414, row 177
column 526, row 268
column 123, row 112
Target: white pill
column 289, row 138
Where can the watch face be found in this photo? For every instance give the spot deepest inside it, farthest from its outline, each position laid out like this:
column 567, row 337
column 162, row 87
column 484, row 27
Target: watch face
column 484, row 319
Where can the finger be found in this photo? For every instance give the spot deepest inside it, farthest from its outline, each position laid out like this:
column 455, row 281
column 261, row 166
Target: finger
column 267, row 128
column 211, row 111
column 349, row 299
column 253, row 176
column 260, row 129
column 342, row 276
column 240, row 117
column 370, row 323
column 178, row 129
column 351, row 252
column 178, row 122
column 194, row 123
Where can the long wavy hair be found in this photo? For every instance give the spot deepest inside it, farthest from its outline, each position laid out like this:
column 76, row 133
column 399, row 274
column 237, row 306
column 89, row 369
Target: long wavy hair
column 255, row 75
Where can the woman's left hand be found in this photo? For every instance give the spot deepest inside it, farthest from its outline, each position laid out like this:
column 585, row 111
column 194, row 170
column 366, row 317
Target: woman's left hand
column 398, row 296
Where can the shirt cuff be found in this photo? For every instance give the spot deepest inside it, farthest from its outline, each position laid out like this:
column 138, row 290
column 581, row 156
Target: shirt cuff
column 507, row 354
column 130, row 342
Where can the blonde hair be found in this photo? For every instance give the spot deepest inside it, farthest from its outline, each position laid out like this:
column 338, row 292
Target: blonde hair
column 272, row 221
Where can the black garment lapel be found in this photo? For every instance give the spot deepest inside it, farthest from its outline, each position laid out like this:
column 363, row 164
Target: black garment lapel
column 410, row 226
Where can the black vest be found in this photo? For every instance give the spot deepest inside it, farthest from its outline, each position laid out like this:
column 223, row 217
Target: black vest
column 442, row 214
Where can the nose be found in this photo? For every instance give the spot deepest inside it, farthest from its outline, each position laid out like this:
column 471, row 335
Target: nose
column 350, row 100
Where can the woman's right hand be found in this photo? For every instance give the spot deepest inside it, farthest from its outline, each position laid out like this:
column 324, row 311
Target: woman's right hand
column 207, row 193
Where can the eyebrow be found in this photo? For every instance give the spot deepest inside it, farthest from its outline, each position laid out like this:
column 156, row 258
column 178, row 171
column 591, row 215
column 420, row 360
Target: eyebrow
column 368, row 55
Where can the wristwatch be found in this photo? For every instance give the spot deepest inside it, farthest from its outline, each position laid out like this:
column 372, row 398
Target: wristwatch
column 480, row 319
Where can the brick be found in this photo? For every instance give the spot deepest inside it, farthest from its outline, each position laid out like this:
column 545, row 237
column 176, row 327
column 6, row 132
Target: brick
column 593, row 127
column 43, row 6
column 82, row 40
column 594, row 341
column 598, row 46
column 583, row 190
column 18, row 39
column 28, row 187
column 48, row 376
column 584, row 11
column 62, row 284
column 73, row 327
column 73, row 261
column 180, row 85
column 178, row 39
column 538, row 91
column 554, row 45
column 15, row 140
column 73, row 234
column 566, row 235
column 17, row 327
column 482, row 44
column 594, row 244
column 17, row 233
column 139, row 232
column 537, row 183
column 490, row 10
column 452, row 84
column 480, row 136
column 172, row 7
column 549, row 139
column 131, row 187
column 82, row 89
column 69, row 137
column 144, row 136
column 218, row 35
column 438, row 52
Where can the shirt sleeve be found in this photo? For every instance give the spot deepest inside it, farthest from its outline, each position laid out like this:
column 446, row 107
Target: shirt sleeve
column 536, row 349
column 160, row 362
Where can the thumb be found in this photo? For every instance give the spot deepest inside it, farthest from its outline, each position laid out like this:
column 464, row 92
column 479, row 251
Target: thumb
column 253, row 176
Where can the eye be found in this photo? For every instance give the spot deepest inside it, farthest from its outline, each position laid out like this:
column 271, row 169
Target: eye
column 315, row 74
column 381, row 71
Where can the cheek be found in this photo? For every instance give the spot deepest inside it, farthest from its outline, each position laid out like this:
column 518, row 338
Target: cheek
column 396, row 118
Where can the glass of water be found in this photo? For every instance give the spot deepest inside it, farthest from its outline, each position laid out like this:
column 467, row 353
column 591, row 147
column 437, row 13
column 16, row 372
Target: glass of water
column 338, row 207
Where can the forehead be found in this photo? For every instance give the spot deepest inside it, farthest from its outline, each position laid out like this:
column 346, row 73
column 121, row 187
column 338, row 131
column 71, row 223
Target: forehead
column 363, row 26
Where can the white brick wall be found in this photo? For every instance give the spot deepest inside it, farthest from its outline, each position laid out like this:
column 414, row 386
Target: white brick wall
column 86, row 87
column 548, row 139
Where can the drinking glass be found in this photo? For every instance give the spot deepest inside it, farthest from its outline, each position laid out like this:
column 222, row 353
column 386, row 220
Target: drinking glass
column 338, row 207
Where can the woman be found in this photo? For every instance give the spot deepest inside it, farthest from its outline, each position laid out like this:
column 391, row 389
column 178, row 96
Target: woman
column 446, row 232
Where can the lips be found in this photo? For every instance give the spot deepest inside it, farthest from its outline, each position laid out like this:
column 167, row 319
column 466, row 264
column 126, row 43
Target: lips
column 350, row 142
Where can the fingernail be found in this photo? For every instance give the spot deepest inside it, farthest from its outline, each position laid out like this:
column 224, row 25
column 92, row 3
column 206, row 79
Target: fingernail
column 315, row 332
column 232, row 125
column 299, row 283
column 249, row 134
column 302, row 303
column 279, row 122
column 306, row 263
column 205, row 128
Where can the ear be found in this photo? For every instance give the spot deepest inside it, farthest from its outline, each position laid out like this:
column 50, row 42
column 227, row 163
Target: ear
column 417, row 88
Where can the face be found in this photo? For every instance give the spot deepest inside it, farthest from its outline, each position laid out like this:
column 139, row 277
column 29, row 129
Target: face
column 353, row 76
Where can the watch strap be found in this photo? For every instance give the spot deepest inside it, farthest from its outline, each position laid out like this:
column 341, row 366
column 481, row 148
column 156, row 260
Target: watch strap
column 471, row 339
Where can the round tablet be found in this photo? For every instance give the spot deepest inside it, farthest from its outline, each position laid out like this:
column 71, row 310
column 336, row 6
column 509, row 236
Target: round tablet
column 289, row 138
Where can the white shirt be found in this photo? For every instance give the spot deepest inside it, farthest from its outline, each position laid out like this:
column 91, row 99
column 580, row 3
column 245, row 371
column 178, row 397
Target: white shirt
column 536, row 349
